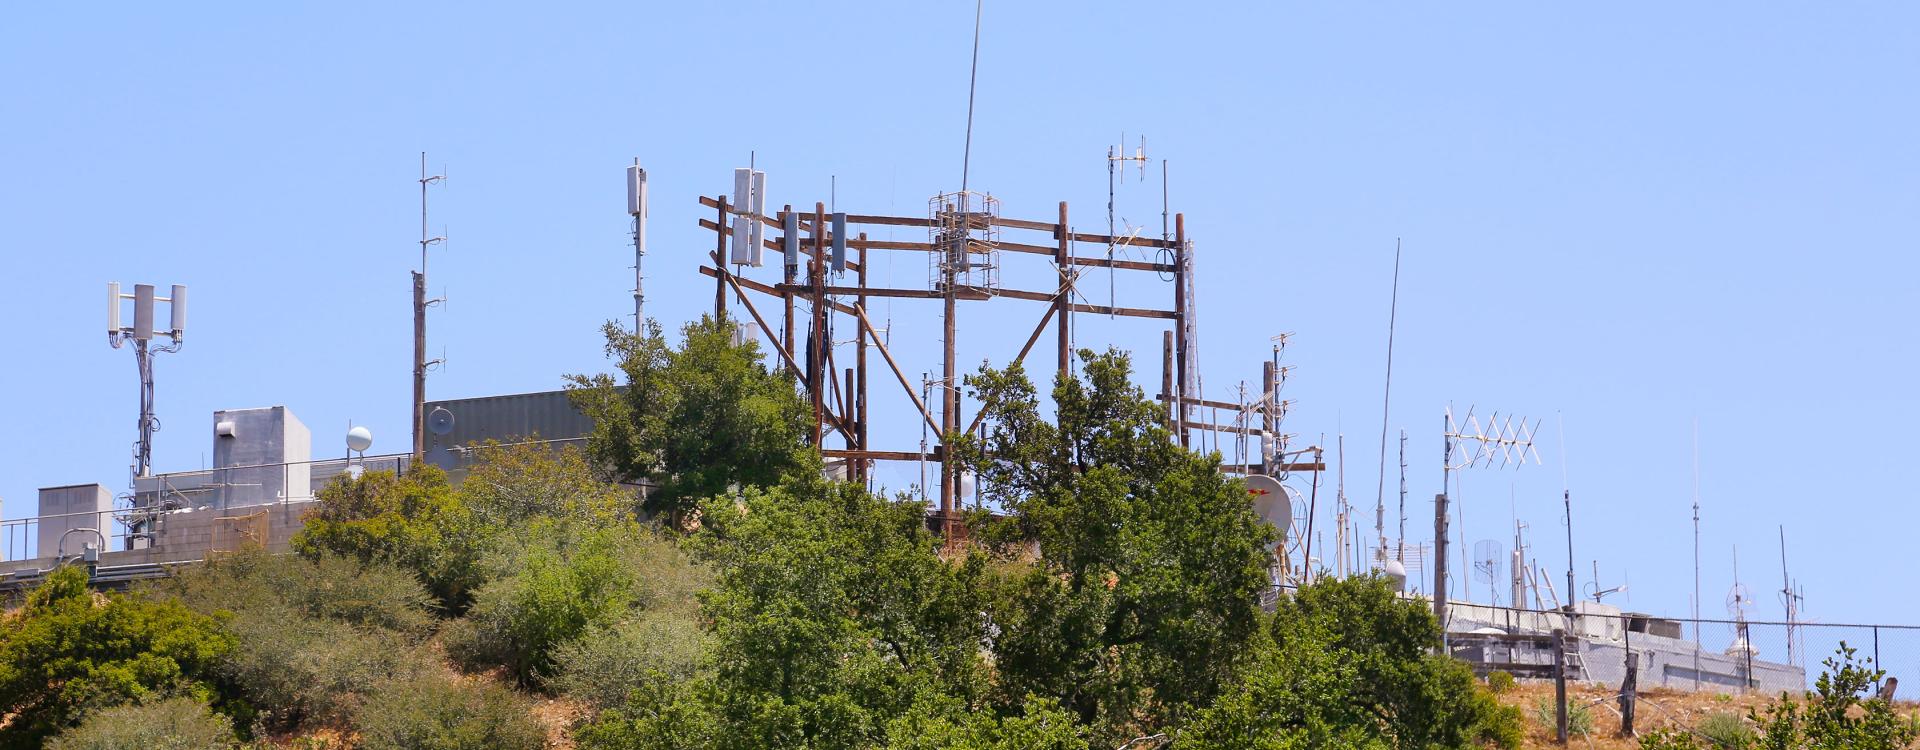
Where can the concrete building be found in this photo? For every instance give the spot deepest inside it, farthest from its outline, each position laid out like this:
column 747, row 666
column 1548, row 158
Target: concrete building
column 262, row 481
column 1601, row 638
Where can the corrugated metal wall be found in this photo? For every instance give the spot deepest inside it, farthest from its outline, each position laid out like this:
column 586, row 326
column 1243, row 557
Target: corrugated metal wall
column 514, row 418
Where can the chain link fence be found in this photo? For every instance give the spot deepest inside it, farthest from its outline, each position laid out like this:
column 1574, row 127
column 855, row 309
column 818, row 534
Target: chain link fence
column 1718, row 655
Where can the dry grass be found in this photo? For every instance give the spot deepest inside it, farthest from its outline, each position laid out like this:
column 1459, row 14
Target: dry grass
column 1657, row 709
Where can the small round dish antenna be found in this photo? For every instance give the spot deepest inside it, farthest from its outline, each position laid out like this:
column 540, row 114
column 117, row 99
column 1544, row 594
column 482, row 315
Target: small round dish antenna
column 359, row 439
column 440, row 421
column 1271, row 503
column 1396, row 573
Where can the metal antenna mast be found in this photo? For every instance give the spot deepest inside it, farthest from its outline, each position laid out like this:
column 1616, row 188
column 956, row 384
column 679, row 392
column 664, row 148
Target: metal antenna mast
column 1400, row 553
column 1696, row 553
column 141, row 334
column 420, row 304
column 1386, row 410
column 637, row 208
column 1566, row 497
column 1788, row 597
column 1116, row 155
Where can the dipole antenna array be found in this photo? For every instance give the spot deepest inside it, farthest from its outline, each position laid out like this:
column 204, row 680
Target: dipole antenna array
column 1494, row 443
column 420, row 305
column 1117, row 162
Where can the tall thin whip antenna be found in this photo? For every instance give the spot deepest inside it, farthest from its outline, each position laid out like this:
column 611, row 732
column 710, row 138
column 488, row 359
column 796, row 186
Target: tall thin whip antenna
column 1566, row 497
column 1386, row 404
column 1696, row 553
column 973, row 81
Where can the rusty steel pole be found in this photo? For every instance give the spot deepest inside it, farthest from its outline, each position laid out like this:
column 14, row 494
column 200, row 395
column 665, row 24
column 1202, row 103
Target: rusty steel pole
column 1063, row 304
column 860, row 363
column 720, row 266
column 1180, row 313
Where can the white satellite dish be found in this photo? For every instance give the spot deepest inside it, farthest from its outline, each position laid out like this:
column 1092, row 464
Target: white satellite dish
column 359, row 439
column 1271, row 503
column 1396, row 572
column 440, row 421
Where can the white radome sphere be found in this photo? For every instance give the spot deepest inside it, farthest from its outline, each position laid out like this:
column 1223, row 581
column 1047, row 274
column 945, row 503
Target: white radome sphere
column 359, row 439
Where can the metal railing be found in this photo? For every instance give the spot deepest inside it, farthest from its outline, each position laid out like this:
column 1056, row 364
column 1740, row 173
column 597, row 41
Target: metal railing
column 217, row 490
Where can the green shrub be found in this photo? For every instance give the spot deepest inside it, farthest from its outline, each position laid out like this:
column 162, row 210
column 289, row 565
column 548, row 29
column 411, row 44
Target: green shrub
column 297, row 669
column 1725, row 729
column 313, row 636
column 170, row 724
column 1499, row 681
column 1579, row 716
column 68, row 652
column 511, row 484
column 1838, row 712
column 608, row 665
column 1348, row 666
column 373, row 595
column 442, row 713
column 416, row 522
column 555, row 580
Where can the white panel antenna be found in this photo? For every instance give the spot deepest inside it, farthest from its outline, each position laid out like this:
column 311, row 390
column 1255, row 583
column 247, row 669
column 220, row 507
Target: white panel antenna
column 749, row 205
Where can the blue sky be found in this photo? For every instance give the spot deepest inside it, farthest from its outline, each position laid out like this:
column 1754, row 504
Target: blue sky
column 1630, row 216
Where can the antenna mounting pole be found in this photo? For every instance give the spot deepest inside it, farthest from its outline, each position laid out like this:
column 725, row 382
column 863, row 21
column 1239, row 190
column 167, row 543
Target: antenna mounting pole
column 420, row 303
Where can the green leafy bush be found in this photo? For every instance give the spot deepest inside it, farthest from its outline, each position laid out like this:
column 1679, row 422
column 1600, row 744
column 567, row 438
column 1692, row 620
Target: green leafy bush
column 442, row 713
column 312, row 636
column 1839, row 713
column 68, row 652
column 554, row 580
column 1348, row 665
column 511, row 484
column 1499, row 681
column 372, row 595
column 297, row 670
column 169, row 724
column 609, row 665
column 416, row 522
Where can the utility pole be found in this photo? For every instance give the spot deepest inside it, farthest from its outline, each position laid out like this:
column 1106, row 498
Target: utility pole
column 420, row 304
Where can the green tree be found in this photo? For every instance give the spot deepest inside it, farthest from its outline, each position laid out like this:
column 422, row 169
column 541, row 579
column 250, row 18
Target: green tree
column 694, row 421
column 835, row 623
column 1151, row 561
column 1351, row 664
column 68, row 651
column 416, row 522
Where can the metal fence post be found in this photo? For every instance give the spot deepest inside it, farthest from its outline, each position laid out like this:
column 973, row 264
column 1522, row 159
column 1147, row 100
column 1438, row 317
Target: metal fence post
column 1560, row 685
column 1876, row 657
column 1630, row 683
